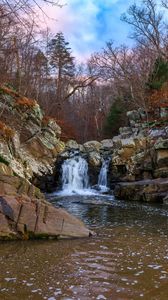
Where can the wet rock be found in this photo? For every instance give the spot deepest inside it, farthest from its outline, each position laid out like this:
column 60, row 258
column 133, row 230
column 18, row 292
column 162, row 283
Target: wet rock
column 95, row 159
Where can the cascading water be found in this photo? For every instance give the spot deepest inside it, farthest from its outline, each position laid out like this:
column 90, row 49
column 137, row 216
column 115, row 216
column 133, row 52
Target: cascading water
column 75, row 175
column 102, row 179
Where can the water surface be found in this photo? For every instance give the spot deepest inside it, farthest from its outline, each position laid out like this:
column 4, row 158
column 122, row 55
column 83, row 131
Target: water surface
column 128, row 259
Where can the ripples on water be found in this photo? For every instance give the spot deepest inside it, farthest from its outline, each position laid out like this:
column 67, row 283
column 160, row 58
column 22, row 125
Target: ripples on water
column 128, row 259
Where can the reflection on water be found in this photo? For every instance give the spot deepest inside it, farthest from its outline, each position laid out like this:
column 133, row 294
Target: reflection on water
column 128, row 259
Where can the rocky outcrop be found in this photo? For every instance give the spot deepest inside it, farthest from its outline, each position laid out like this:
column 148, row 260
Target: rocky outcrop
column 29, row 147
column 29, row 141
column 25, row 214
column 151, row 190
column 140, row 160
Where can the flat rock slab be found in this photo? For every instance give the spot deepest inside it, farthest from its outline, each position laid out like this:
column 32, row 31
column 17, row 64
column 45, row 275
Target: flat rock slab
column 25, row 218
column 151, row 190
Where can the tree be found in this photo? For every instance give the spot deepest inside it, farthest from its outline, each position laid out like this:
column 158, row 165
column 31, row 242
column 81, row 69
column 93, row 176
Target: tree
column 62, row 63
column 115, row 118
column 159, row 74
column 148, row 28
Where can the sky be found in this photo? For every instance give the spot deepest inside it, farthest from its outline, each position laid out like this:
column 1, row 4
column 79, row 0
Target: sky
column 88, row 24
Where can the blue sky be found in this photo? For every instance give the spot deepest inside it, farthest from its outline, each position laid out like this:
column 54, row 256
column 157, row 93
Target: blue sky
column 89, row 24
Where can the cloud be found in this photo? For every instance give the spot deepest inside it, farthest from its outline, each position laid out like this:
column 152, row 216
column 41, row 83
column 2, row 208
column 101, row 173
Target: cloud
column 88, row 24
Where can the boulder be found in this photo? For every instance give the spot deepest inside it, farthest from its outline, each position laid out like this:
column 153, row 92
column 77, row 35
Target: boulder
column 162, row 158
column 25, row 214
column 107, row 144
column 94, row 159
column 134, row 115
column 125, row 132
column 116, row 142
column 128, row 143
column 25, row 218
column 161, row 144
column 92, row 146
column 164, row 112
column 72, row 145
column 161, row 172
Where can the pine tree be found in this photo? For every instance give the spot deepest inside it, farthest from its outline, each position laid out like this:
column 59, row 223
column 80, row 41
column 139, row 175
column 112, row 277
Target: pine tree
column 159, row 74
column 62, row 64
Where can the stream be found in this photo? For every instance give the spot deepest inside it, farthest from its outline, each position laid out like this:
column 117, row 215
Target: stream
column 127, row 259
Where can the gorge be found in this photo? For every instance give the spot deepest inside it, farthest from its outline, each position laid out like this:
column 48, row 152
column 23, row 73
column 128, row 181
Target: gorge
column 40, row 176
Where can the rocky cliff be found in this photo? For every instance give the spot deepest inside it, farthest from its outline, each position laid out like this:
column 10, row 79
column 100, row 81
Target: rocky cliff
column 139, row 158
column 29, row 145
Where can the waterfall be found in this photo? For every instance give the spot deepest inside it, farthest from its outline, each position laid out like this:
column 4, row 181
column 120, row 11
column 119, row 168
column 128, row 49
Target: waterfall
column 102, row 179
column 75, row 175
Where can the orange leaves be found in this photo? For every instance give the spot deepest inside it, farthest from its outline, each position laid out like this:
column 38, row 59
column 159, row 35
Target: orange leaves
column 158, row 98
column 68, row 132
column 6, row 131
column 47, row 119
column 25, row 102
column 19, row 100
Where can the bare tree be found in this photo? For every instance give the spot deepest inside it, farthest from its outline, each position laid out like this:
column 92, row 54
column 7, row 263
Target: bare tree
column 147, row 24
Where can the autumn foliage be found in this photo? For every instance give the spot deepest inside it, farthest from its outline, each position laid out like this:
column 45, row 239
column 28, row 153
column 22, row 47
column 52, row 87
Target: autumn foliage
column 158, row 98
column 23, row 101
column 6, row 131
column 67, row 131
column 19, row 100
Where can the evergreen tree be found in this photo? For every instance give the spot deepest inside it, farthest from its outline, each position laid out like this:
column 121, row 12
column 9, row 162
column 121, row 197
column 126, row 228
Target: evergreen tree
column 62, row 63
column 159, row 74
column 115, row 118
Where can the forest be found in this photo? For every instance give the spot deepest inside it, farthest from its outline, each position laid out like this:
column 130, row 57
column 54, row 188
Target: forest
column 95, row 94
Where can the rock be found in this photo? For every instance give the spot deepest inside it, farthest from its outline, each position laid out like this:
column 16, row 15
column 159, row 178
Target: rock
column 164, row 112
column 161, row 144
column 33, row 147
column 162, row 158
column 125, row 132
column 5, row 169
column 161, row 172
column 54, row 127
column 25, row 214
column 116, row 142
column 72, row 144
column 107, row 144
column 128, row 143
column 156, row 133
column 145, row 190
column 94, row 159
column 165, row 200
column 134, row 116
column 92, row 146
column 25, row 218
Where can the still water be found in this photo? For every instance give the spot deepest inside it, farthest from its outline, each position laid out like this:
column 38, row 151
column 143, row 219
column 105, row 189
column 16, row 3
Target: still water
column 127, row 259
